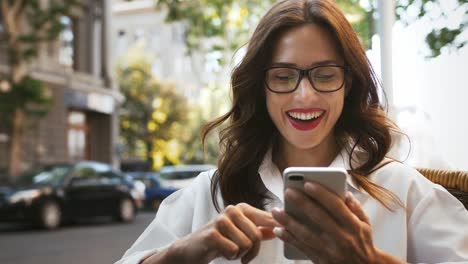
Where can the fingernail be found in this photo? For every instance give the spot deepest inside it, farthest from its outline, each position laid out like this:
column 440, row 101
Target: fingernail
column 278, row 231
column 350, row 196
column 276, row 209
column 309, row 185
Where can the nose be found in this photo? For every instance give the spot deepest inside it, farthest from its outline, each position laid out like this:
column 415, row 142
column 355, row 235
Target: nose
column 305, row 89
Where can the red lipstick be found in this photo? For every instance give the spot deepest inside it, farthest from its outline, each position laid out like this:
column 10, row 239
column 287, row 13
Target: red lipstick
column 305, row 125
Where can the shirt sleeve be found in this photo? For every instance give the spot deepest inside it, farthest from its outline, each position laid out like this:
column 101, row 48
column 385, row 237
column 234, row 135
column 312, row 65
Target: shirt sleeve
column 437, row 228
column 173, row 221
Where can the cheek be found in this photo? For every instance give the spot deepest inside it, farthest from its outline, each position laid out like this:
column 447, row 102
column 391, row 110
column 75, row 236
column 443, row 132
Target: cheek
column 272, row 105
column 336, row 103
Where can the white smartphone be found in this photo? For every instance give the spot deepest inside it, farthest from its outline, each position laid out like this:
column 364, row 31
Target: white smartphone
column 333, row 179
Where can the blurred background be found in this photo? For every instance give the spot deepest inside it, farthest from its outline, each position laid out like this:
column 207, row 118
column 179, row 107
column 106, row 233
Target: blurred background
column 109, row 96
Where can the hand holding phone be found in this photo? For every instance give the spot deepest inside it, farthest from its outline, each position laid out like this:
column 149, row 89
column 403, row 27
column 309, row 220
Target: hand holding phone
column 334, row 179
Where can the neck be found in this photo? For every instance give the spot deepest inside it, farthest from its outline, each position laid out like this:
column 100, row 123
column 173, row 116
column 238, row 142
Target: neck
column 286, row 155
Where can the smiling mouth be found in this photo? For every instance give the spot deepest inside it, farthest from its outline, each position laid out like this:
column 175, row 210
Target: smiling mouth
column 305, row 117
column 304, row 121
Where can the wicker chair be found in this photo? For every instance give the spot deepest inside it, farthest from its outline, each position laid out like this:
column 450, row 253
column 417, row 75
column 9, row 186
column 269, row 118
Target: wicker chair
column 456, row 182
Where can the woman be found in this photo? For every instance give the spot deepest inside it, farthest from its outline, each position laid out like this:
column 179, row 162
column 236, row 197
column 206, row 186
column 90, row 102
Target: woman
column 305, row 95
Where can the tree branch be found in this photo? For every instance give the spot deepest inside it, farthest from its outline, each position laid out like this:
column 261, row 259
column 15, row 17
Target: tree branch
column 9, row 21
column 17, row 6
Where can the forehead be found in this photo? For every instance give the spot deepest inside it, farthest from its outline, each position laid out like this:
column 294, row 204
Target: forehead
column 306, row 46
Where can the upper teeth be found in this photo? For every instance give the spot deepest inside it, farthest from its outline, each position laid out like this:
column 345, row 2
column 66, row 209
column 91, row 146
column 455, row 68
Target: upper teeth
column 305, row 116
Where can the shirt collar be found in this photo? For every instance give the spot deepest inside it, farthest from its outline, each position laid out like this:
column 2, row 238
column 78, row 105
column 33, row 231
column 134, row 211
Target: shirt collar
column 273, row 180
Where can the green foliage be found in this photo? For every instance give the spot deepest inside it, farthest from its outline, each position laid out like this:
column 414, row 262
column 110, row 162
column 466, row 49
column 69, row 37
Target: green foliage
column 30, row 94
column 40, row 18
column 214, row 19
column 437, row 39
column 227, row 21
column 193, row 149
column 233, row 20
column 44, row 24
column 441, row 37
column 152, row 116
column 360, row 18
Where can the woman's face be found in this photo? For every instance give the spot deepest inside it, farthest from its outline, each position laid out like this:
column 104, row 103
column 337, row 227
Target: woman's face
column 305, row 118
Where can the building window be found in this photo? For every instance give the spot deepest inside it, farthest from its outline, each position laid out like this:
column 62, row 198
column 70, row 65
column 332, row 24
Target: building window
column 77, row 136
column 67, row 37
column 2, row 29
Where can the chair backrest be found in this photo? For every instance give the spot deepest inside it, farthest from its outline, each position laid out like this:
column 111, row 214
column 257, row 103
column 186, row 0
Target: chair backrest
column 456, row 182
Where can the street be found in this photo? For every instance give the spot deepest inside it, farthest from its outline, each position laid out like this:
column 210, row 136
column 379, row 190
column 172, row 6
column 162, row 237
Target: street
column 97, row 241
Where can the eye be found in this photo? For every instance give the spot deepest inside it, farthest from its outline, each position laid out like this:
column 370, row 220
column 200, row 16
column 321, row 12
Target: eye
column 324, row 77
column 325, row 74
column 284, row 77
column 283, row 74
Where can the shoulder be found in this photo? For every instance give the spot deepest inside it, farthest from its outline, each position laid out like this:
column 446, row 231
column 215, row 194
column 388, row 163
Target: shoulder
column 397, row 173
column 403, row 180
column 410, row 186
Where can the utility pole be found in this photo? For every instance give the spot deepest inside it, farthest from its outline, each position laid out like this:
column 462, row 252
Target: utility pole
column 386, row 11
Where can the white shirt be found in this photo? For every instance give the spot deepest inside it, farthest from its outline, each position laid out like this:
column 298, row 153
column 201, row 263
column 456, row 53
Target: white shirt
column 432, row 229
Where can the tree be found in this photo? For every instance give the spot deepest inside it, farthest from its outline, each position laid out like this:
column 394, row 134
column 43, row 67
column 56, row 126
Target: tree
column 26, row 24
column 153, row 115
column 214, row 104
column 226, row 23
column 232, row 20
column 441, row 36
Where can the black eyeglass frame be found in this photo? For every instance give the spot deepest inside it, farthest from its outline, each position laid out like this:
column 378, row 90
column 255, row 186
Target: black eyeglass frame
column 305, row 73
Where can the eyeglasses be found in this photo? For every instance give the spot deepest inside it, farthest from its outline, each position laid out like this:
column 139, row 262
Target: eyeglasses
column 323, row 78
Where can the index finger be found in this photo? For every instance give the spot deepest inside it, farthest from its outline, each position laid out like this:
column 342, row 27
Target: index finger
column 257, row 216
column 334, row 205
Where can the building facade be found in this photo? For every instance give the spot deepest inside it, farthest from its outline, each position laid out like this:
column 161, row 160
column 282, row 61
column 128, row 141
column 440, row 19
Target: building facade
column 82, row 123
column 140, row 22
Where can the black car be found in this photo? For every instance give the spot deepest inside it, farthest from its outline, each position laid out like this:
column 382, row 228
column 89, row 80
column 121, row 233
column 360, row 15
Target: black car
column 58, row 193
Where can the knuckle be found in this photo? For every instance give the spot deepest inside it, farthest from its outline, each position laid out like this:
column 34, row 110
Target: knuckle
column 246, row 245
column 212, row 234
column 232, row 212
column 347, row 241
column 242, row 206
column 222, row 222
column 367, row 229
column 229, row 209
column 313, row 213
column 363, row 230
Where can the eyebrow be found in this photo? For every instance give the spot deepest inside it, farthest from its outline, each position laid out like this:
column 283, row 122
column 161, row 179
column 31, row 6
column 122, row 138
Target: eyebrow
column 319, row 63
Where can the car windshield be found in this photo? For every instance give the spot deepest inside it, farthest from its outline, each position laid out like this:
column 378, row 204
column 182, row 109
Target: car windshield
column 52, row 175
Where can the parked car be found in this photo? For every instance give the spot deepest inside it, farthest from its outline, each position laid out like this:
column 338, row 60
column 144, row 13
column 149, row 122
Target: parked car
column 154, row 192
column 180, row 176
column 57, row 193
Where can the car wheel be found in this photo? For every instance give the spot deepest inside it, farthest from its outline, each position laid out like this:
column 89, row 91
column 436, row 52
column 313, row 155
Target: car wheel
column 50, row 215
column 126, row 211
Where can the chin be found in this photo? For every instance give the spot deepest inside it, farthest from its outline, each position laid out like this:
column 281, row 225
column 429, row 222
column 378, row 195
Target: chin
column 305, row 144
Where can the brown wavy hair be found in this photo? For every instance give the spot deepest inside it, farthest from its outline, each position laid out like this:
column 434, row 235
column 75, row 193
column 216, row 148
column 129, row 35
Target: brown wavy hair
column 248, row 132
